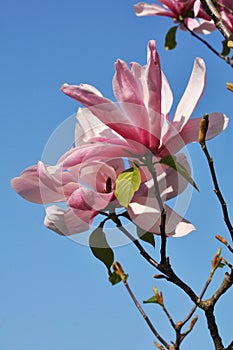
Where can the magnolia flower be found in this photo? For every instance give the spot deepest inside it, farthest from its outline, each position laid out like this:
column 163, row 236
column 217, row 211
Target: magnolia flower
column 179, row 10
column 86, row 189
column 140, row 123
column 85, row 177
column 89, row 189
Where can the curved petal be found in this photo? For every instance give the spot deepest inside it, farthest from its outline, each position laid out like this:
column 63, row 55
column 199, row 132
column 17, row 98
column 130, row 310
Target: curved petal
column 127, row 92
column 144, row 9
column 153, row 77
column 205, row 27
column 86, row 199
column 175, row 141
column 148, row 218
column 99, row 151
column 217, row 123
column 90, row 129
column 170, row 178
column 27, row 185
column 166, row 96
column 39, row 184
column 104, row 109
column 67, row 222
column 191, row 95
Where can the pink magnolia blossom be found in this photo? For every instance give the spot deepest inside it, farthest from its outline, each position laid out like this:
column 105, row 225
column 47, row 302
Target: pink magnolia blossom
column 84, row 177
column 85, row 189
column 179, row 10
column 141, row 122
column 89, row 189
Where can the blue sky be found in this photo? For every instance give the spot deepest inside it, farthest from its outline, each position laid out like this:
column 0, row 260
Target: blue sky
column 54, row 294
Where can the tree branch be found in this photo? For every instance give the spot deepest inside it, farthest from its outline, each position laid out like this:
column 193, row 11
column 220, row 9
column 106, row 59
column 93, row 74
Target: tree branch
column 217, row 189
column 228, row 60
column 213, row 12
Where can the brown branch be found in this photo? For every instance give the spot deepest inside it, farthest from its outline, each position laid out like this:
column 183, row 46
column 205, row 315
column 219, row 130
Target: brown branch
column 163, row 213
column 228, row 60
column 213, row 328
column 119, row 271
column 213, row 12
column 217, row 189
column 165, row 267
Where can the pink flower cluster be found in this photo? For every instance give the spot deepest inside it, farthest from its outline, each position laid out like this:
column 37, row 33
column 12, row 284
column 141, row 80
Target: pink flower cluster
column 189, row 11
column 107, row 133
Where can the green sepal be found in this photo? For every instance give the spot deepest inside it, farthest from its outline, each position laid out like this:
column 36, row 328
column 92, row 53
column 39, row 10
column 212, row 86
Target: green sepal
column 152, row 300
column 225, row 48
column 115, row 278
column 146, row 236
column 170, row 38
column 170, row 161
column 100, row 248
column 127, row 183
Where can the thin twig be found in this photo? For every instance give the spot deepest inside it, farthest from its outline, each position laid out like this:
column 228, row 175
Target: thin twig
column 145, row 316
column 217, row 189
column 119, row 271
column 163, row 213
column 222, row 240
column 145, row 255
column 228, row 60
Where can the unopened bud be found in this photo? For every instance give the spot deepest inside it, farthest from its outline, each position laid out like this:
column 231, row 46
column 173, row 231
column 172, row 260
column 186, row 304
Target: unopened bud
column 119, row 271
column 229, row 86
column 204, row 123
column 221, row 239
column 158, row 346
column 159, row 296
column 193, row 322
column 216, row 260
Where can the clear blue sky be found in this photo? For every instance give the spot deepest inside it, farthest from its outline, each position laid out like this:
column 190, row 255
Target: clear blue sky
column 54, row 294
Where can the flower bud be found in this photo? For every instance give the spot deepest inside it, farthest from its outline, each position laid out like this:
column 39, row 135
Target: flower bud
column 203, row 129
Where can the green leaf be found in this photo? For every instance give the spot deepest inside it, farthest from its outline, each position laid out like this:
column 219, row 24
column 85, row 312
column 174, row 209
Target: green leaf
column 225, row 48
column 172, row 163
column 114, row 278
column 127, row 183
column 170, row 39
column 146, row 236
column 100, row 248
column 152, row 300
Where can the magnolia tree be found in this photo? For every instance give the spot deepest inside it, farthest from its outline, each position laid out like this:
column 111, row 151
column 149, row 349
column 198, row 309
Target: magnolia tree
column 127, row 160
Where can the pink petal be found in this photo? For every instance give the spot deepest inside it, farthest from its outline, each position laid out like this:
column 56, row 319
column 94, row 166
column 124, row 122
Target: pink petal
column 176, row 141
column 148, row 218
column 128, row 93
column 86, row 199
column 104, row 109
column 154, row 78
column 38, row 186
column 67, row 222
column 166, row 96
column 205, row 27
column 154, row 82
column 191, row 95
column 27, row 185
column 217, row 123
column 172, row 179
column 99, row 151
column 144, row 9
column 90, row 129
